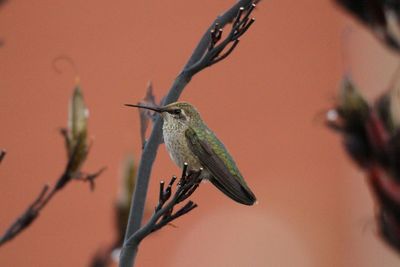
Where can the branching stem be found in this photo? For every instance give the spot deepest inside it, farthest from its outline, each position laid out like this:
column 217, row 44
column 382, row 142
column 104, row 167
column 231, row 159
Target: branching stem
column 205, row 54
column 44, row 197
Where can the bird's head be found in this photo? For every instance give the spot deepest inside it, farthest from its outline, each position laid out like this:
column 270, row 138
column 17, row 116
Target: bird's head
column 177, row 112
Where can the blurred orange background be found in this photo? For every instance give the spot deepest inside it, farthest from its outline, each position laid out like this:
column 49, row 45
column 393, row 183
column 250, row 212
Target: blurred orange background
column 263, row 102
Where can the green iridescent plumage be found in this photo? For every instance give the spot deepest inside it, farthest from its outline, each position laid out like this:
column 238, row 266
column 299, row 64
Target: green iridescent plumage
column 214, row 157
column 189, row 140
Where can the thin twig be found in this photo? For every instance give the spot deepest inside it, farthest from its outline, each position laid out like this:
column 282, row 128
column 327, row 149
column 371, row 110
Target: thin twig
column 150, row 150
column 44, row 197
column 163, row 213
column 212, row 55
column 90, row 177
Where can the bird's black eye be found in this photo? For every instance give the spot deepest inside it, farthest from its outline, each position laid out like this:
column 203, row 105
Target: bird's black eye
column 176, row 111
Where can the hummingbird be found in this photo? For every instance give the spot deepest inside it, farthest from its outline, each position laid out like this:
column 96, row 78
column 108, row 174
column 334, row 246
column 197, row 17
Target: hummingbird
column 189, row 140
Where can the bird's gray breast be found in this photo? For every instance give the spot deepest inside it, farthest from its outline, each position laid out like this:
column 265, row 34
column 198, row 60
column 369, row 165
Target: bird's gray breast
column 177, row 145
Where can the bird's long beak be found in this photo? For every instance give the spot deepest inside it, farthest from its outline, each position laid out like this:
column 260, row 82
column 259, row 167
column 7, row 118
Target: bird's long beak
column 159, row 110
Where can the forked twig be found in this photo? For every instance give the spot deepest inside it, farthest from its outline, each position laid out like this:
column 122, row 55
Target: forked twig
column 217, row 46
column 77, row 150
column 44, row 197
column 206, row 53
column 164, row 211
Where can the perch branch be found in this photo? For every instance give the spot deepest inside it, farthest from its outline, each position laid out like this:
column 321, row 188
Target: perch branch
column 164, row 211
column 216, row 46
column 200, row 59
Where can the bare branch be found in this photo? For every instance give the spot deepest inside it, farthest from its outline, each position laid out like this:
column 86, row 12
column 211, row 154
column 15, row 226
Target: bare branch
column 26, row 218
column 151, row 147
column 227, row 53
column 44, row 197
column 90, row 177
column 222, row 20
column 77, row 150
column 164, row 211
column 210, row 57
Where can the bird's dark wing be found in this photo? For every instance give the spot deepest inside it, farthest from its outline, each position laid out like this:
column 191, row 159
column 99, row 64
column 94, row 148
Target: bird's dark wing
column 225, row 175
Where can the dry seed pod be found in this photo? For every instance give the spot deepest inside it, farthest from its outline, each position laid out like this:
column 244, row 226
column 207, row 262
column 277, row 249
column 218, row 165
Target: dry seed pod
column 77, row 129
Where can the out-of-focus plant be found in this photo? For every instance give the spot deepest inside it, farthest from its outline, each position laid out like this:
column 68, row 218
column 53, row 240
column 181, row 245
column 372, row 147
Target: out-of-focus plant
column 371, row 136
column 2, row 154
column 106, row 256
column 123, row 202
column 371, row 132
column 75, row 136
column 382, row 17
column 77, row 147
column 2, row 2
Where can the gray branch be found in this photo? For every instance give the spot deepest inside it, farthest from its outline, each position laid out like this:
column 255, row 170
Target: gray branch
column 163, row 213
column 201, row 58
